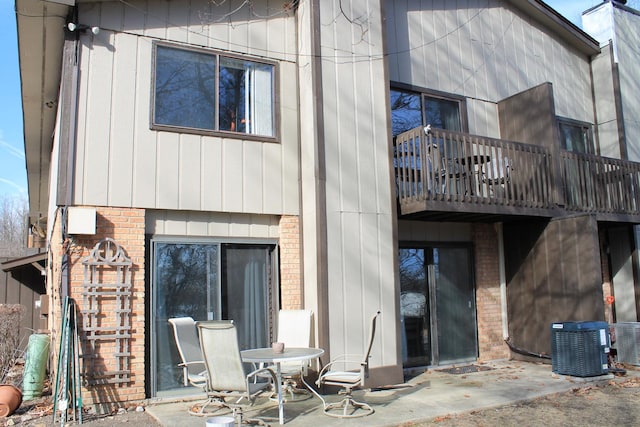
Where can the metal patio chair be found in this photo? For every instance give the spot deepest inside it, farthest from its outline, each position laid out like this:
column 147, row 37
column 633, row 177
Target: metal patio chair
column 348, row 380
column 227, row 384
column 497, row 175
column 186, row 338
column 294, row 330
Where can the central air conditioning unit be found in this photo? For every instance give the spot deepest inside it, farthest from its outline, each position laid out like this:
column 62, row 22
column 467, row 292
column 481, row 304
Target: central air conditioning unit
column 580, row 349
column 628, row 342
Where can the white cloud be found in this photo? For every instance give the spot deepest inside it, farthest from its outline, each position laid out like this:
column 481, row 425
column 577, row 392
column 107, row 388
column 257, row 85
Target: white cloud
column 20, row 189
column 16, row 152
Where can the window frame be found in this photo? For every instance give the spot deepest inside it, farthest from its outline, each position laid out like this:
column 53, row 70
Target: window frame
column 151, row 267
column 216, row 132
column 564, row 121
column 425, row 93
column 462, row 106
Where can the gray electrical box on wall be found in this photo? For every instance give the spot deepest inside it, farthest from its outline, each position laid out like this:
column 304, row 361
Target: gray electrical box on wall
column 81, row 220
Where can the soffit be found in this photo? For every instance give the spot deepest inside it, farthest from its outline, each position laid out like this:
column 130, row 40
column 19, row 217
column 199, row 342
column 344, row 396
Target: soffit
column 40, row 27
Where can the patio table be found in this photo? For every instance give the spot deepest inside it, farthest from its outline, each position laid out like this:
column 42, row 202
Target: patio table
column 267, row 355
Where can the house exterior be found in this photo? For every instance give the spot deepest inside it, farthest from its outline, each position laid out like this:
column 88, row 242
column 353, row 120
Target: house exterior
column 245, row 157
column 617, row 27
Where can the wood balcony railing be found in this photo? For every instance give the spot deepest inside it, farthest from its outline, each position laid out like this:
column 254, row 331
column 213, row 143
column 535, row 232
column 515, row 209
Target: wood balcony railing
column 444, row 171
column 601, row 185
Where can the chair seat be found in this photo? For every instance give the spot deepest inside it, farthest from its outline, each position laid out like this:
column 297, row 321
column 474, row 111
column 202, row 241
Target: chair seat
column 341, row 377
column 200, row 378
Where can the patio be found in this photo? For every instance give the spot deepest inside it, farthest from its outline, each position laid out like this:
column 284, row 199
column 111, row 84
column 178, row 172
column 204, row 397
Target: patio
column 428, row 395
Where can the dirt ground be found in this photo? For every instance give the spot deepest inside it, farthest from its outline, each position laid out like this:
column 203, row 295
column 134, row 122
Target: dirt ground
column 612, row 403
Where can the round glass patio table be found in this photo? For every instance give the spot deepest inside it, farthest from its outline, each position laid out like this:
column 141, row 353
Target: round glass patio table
column 267, row 355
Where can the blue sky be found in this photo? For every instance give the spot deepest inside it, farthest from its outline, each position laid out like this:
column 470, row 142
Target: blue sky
column 13, row 176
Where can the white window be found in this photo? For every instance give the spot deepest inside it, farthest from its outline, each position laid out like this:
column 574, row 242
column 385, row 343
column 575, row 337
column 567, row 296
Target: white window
column 201, row 91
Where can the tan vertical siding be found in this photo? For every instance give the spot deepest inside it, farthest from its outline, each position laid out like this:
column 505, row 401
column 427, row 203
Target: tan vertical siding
column 201, row 224
column 122, row 162
column 604, row 94
column 359, row 203
column 121, row 148
column 627, row 36
column 483, row 50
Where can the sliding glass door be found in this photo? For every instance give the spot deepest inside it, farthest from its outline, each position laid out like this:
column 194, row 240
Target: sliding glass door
column 437, row 305
column 208, row 281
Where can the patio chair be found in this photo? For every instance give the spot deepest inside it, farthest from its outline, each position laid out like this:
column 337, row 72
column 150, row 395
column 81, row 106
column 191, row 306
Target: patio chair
column 186, row 337
column 497, row 175
column 348, row 380
column 227, row 384
column 294, row 330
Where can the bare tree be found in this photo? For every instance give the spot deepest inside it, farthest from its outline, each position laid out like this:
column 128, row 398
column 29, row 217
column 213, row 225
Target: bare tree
column 13, row 227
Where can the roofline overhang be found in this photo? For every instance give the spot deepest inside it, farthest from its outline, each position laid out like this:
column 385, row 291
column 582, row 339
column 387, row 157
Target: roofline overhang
column 33, row 260
column 40, row 27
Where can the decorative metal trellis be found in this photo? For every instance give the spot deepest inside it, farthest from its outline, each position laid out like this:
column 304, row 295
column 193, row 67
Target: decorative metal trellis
column 106, row 314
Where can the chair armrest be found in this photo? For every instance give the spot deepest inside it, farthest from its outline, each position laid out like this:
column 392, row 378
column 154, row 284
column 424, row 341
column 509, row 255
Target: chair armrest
column 185, row 370
column 195, row 362
column 260, row 373
column 339, row 360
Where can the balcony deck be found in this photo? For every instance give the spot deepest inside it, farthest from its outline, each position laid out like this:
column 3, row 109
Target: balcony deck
column 450, row 176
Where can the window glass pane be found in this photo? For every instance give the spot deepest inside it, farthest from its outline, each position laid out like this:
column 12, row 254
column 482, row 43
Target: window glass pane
column 208, row 281
column 186, row 284
column 245, row 292
column 406, row 113
column 246, row 97
column 184, row 88
column 575, row 137
column 442, row 113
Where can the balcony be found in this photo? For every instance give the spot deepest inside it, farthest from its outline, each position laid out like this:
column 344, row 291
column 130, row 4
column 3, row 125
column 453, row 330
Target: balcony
column 446, row 175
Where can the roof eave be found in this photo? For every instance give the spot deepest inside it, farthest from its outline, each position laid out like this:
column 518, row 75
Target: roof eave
column 553, row 20
column 40, row 27
column 22, row 261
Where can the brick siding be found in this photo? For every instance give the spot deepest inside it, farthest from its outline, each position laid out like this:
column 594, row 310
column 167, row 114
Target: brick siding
column 127, row 227
column 290, row 264
column 491, row 345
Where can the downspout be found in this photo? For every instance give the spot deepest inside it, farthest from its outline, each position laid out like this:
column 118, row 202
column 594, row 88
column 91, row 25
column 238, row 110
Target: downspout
column 69, row 100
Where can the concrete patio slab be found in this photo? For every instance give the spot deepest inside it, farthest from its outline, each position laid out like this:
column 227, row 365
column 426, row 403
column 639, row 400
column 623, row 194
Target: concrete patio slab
column 428, row 395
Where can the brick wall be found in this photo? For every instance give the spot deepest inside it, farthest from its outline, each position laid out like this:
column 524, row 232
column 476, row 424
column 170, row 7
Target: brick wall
column 489, row 312
column 290, row 266
column 126, row 227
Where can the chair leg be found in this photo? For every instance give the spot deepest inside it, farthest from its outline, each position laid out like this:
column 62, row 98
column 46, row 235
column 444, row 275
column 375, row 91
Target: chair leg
column 297, row 394
column 239, row 416
column 349, row 407
column 200, row 409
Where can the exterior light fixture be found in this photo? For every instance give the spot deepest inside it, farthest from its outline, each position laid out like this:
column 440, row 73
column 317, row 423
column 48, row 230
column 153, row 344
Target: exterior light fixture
column 72, row 26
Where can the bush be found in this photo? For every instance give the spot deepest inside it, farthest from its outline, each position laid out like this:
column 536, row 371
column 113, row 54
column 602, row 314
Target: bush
column 10, row 319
